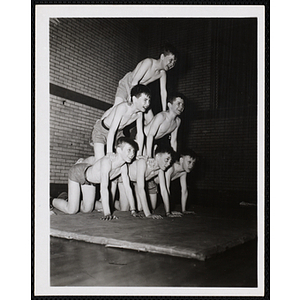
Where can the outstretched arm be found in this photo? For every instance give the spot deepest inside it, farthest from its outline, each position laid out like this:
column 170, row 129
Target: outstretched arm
column 163, row 90
column 168, row 175
column 184, row 191
column 163, row 191
column 140, row 133
column 184, row 194
column 104, row 183
column 140, row 188
column 140, row 182
column 174, row 135
column 118, row 113
column 154, row 126
column 128, row 190
column 166, row 194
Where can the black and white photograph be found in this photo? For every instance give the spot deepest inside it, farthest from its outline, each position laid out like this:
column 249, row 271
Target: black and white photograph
column 149, row 155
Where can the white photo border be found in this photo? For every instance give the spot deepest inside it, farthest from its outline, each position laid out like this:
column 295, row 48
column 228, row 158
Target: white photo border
column 42, row 219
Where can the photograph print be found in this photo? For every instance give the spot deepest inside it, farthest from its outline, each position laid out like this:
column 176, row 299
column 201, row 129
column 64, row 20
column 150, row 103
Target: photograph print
column 149, row 157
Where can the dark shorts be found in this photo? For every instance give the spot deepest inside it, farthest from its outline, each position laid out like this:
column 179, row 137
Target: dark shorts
column 164, row 141
column 77, row 173
column 100, row 132
column 152, row 186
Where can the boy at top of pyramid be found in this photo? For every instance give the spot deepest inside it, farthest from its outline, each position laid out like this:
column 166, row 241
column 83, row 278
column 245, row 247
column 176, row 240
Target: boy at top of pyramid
column 147, row 71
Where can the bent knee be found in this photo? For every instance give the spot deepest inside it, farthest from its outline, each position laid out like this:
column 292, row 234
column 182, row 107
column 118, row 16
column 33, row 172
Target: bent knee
column 71, row 211
column 85, row 209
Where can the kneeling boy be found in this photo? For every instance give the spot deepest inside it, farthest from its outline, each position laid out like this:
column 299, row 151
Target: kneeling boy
column 84, row 175
column 143, row 170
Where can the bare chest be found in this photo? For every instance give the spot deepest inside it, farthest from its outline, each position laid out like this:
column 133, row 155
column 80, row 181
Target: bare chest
column 150, row 76
column 127, row 119
column 165, row 128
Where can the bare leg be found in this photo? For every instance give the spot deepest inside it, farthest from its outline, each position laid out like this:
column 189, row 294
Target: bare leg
column 124, row 204
column 139, row 204
column 98, row 151
column 153, row 200
column 117, row 205
column 98, row 205
column 113, row 190
column 88, row 198
column 72, row 205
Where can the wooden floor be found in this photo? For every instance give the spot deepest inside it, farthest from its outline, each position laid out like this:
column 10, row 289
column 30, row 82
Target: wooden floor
column 78, row 263
column 74, row 263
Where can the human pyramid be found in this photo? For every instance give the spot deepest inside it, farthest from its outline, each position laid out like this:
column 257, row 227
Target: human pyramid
column 146, row 161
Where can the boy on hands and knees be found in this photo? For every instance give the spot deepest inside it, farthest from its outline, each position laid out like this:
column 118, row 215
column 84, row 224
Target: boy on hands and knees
column 147, row 71
column 85, row 174
column 165, row 123
column 111, row 125
column 141, row 171
column 180, row 169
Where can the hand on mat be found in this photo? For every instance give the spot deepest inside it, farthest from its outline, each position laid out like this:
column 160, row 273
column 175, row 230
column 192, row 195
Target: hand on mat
column 173, row 215
column 141, row 214
column 188, row 212
column 135, row 214
column 176, row 213
column 109, row 217
column 154, row 217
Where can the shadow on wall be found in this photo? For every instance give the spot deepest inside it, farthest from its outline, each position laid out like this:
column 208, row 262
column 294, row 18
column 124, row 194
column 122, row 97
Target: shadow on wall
column 187, row 117
column 183, row 65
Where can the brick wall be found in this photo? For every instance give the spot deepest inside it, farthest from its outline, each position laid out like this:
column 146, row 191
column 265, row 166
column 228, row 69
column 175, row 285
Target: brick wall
column 89, row 56
column 70, row 128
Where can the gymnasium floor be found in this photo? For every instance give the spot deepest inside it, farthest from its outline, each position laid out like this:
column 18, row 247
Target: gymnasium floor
column 216, row 247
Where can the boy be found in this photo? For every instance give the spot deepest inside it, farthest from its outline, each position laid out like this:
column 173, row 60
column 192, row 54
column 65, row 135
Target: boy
column 147, row 71
column 179, row 169
column 165, row 123
column 121, row 115
column 86, row 173
column 144, row 169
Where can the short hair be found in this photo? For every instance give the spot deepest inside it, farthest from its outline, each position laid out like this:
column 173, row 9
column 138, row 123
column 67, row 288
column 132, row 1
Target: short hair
column 140, row 89
column 173, row 97
column 168, row 49
column 125, row 140
column 188, row 152
column 165, row 149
